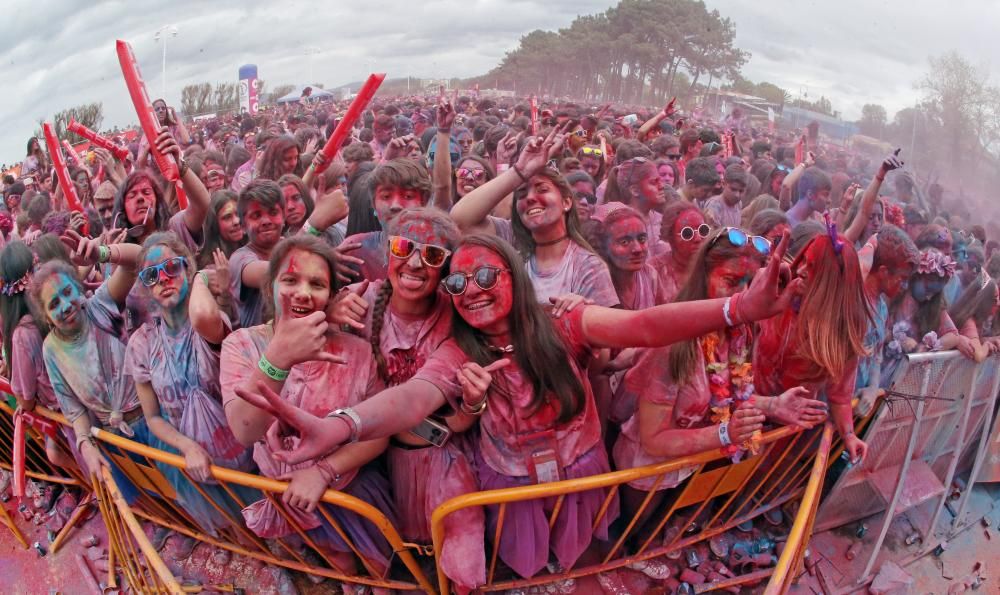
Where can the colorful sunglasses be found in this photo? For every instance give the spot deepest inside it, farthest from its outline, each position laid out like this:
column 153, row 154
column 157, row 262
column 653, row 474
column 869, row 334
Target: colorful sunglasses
column 472, row 174
column 431, row 255
column 485, row 277
column 172, row 267
column 739, row 238
column 592, row 151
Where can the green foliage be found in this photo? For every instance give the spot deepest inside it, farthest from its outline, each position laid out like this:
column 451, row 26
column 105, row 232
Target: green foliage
column 89, row 114
column 633, row 52
column 873, row 120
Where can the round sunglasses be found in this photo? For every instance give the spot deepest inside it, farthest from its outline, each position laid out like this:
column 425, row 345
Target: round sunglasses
column 688, row 233
column 485, row 277
column 172, row 267
column 431, row 255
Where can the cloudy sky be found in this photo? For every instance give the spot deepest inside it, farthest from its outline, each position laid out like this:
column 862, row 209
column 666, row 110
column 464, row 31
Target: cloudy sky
column 59, row 53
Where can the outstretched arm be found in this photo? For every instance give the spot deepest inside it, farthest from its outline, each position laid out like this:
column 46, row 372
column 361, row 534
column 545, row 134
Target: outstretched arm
column 857, row 227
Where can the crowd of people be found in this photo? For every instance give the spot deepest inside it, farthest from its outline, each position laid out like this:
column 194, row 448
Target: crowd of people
column 548, row 298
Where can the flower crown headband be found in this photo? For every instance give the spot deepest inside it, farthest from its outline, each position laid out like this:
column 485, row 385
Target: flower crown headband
column 935, row 262
column 18, row 286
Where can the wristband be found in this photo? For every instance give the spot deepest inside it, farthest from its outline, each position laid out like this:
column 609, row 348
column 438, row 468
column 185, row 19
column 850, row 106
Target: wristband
column 725, row 311
column 520, row 174
column 724, row 434
column 103, row 254
column 445, row 130
column 270, row 370
column 204, row 277
column 502, row 167
column 476, row 409
column 81, row 439
column 309, row 229
column 327, row 471
column 352, row 419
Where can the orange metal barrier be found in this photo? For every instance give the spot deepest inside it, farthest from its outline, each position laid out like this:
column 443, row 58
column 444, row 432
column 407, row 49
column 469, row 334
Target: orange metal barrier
column 798, row 538
column 156, row 503
column 141, row 565
column 736, row 492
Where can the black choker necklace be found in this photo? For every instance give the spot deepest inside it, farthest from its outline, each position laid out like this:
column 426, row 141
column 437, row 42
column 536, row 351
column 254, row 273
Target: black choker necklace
column 551, row 242
column 501, row 350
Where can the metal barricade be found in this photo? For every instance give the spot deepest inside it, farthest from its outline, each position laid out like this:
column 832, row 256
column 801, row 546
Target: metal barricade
column 736, row 492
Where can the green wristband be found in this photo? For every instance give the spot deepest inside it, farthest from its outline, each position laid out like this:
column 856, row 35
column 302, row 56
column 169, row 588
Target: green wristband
column 309, row 229
column 270, row 370
column 103, row 254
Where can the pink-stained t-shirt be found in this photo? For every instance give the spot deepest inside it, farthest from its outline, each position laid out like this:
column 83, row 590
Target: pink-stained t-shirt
column 646, row 292
column 318, row 387
column 28, row 377
column 406, row 342
column 87, row 373
column 670, row 280
column 580, row 271
column 509, row 420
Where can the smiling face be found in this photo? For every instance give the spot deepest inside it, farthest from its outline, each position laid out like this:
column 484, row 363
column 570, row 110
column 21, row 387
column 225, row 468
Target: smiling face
column 63, row 303
column 543, row 207
column 485, row 310
column 468, row 176
column 229, row 223
column 303, row 285
column 264, row 224
column 169, row 292
column 411, row 279
column 730, row 277
column 628, row 245
column 140, row 203
column 295, row 207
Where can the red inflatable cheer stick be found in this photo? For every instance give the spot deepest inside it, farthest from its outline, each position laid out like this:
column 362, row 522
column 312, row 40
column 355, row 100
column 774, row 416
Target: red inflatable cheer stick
column 343, row 129
column 97, row 140
column 70, row 153
column 144, row 109
column 534, row 116
column 59, row 164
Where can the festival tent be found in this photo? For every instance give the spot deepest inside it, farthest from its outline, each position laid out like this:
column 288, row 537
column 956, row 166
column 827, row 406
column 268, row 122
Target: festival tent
column 296, row 94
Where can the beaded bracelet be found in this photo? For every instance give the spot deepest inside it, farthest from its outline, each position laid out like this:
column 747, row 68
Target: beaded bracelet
column 270, row 370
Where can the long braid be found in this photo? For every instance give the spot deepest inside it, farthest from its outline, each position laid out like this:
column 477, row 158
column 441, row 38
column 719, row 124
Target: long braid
column 378, row 317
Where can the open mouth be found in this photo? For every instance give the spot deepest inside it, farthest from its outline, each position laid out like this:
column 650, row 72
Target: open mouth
column 478, row 305
column 300, row 311
column 534, row 211
column 411, row 281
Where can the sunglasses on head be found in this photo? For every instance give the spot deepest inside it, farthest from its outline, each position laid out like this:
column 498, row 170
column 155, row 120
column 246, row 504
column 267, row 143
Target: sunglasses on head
column 592, row 151
column 739, row 238
column 431, row 255
column 687, row 233
column 485, row 277
column 474, row 174
column 172, row 267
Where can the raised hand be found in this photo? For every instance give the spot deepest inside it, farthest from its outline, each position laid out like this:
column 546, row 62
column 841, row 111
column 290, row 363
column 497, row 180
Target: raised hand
column 445, row 116
column 476, row 380
column 82, row 251
column 317, row 436
column 670, row 109
column 167, row 144
column 298, row 340
column 891, row 162
column 765, row 297
column 350, row 308
column 346, row 273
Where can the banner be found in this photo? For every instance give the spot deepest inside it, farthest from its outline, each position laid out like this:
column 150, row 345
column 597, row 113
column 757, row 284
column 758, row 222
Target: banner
column 248, row 89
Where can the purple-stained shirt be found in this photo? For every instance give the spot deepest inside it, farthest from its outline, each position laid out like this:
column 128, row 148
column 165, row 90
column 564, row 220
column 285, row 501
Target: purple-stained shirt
column 249, row 300
column 28, row 377
column 243, row 176
column 580, row 271
column 183, row 370
column 87, row 373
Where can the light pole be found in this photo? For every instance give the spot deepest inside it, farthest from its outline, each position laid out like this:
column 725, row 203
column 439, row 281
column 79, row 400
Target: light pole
column 310, row 52
column 161, row 35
